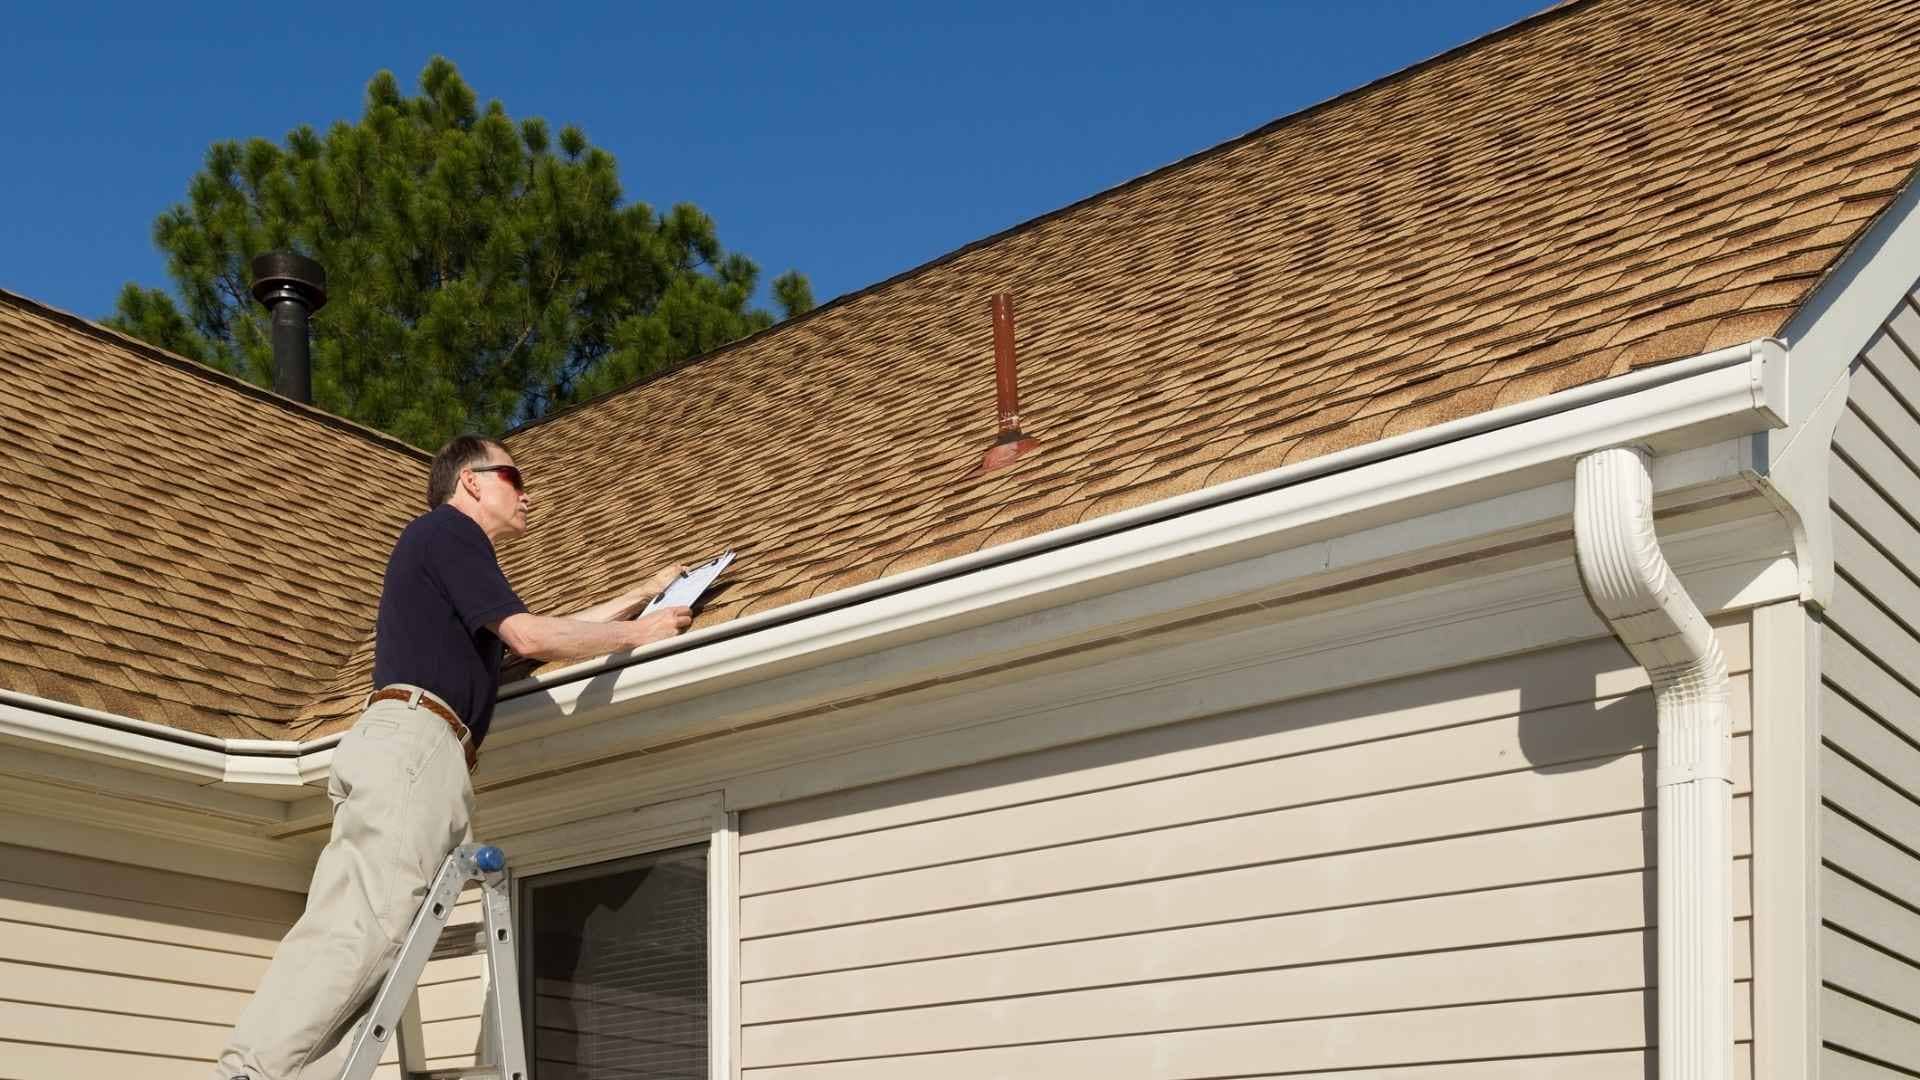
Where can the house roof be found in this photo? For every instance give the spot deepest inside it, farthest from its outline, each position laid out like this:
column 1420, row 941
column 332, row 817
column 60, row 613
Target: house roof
column 1605, row 186
column 180, row 547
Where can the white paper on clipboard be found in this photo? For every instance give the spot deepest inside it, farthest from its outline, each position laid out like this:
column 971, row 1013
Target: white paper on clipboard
column 690, row 586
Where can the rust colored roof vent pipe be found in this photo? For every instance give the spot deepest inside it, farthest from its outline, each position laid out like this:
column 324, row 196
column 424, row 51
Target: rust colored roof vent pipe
column 293, row 287
column 1010, row 444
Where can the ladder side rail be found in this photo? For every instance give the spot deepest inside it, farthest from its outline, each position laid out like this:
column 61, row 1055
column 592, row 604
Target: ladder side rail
column 398, row 988
column 503, row 973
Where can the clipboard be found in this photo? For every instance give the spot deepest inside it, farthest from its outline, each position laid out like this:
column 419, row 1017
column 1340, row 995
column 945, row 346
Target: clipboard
column 689, row 587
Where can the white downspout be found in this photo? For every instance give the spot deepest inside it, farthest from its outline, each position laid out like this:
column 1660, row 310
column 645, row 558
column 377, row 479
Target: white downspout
column 1652, row 615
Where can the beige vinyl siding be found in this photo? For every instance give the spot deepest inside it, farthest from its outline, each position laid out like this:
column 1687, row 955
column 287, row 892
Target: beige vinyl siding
column 109, row 970
column 1444, row 876
column 453, row 995
column 1870, row 719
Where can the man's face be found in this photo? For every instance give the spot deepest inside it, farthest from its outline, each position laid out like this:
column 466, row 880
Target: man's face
column 503, row 504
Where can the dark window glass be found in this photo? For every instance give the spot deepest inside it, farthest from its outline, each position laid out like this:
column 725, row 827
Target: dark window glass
column 619, row 969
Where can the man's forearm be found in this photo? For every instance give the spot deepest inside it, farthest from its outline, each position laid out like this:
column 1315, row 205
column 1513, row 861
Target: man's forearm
column 544, row 637
column 614, row 610
column 629, row 603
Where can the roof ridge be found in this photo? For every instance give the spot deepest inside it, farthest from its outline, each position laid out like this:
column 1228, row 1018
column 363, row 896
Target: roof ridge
column 1554, row 11
column 149, row 351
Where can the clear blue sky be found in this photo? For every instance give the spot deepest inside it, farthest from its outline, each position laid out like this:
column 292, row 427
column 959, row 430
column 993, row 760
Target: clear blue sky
column 849, row 140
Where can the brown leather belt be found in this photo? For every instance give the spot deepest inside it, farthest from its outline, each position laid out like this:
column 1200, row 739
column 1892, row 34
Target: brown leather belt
column 432, row 705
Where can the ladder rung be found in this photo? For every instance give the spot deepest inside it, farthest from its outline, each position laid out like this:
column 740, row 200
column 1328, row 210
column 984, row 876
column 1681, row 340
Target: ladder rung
column 471, row 1072
column 464, row 939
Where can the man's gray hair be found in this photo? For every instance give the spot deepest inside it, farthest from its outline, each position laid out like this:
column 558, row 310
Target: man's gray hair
column 464, row 452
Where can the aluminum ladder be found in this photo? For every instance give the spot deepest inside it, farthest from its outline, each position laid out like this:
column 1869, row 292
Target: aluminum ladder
column 397, row 1006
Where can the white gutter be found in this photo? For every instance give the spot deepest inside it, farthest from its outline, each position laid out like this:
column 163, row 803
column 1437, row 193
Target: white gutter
column 1757, row 371
column 1718, row 395
column 73, row 728
column 1652, row 615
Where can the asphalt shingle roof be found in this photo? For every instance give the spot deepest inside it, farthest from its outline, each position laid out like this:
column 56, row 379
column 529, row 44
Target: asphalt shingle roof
column 1605, row 186
column 179, row 547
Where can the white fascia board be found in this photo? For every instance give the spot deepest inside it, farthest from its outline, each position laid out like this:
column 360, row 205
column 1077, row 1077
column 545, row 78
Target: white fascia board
column 239, row 764
column 1733, row 554
column 47, row 730
column 1835, row 324
column 1711, row 399
column 1829, row 331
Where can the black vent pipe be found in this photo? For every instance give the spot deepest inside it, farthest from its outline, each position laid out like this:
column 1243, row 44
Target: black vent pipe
column 293, row 287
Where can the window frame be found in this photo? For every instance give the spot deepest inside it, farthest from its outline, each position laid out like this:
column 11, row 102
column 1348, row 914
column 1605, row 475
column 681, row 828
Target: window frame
column 572, row 849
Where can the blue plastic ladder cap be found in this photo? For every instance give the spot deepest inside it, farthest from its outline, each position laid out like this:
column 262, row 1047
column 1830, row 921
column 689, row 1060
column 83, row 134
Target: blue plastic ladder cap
column 490, row 859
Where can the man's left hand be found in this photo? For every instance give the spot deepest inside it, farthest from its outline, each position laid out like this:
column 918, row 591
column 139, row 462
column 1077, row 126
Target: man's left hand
column 658, row 583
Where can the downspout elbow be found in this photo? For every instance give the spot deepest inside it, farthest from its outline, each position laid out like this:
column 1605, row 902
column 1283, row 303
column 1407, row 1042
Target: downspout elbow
column 1642, row 600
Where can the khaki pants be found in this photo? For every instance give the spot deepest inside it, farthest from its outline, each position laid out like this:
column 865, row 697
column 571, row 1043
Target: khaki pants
column 401, row 800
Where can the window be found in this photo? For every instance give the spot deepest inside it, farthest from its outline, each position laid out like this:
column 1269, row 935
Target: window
column 618, row 972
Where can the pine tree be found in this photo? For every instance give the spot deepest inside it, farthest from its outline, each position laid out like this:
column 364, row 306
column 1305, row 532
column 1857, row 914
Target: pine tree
column 478, row 274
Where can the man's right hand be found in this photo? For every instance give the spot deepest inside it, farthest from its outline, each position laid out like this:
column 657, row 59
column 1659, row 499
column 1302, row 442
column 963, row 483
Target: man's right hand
column 660, row 624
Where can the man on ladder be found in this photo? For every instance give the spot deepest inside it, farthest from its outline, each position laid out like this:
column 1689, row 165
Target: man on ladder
column 400, row 788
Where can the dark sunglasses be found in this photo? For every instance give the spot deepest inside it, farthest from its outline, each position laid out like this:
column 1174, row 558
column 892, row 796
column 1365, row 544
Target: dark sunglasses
column 511, row 473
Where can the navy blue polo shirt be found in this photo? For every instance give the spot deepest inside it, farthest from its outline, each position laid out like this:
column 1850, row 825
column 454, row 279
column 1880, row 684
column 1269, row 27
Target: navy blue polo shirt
column 443, row 587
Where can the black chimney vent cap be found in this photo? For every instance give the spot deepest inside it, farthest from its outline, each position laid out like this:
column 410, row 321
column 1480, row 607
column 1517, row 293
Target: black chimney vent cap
column 278, row 273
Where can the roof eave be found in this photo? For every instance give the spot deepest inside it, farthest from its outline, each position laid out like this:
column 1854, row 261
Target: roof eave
column 1698, row 402
column 1708, row 399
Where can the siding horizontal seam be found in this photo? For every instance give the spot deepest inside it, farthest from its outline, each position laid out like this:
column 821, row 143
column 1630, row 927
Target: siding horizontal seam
column 1182, row 823
column 1529, row 999
column 1740, row 811
column 1538, row 677
column 1877, row 1006
column 1265, row 759
column 1839, row 628
column 1741, row 924
column 93, row 933
column 1844, row 831
column 1855, row 820
column 1613, row 843
column 141, row 1054
column 1867, row 942
column 1063, row 796
column 1174, row 927
column 1866, row 477
column 1879, row 427
column 1633, row 1062
column 1843, row 617
column 1881, row 1068
column 1884, row 780
column 1636, row 739
column 1875, row 545
column 95, row 1010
